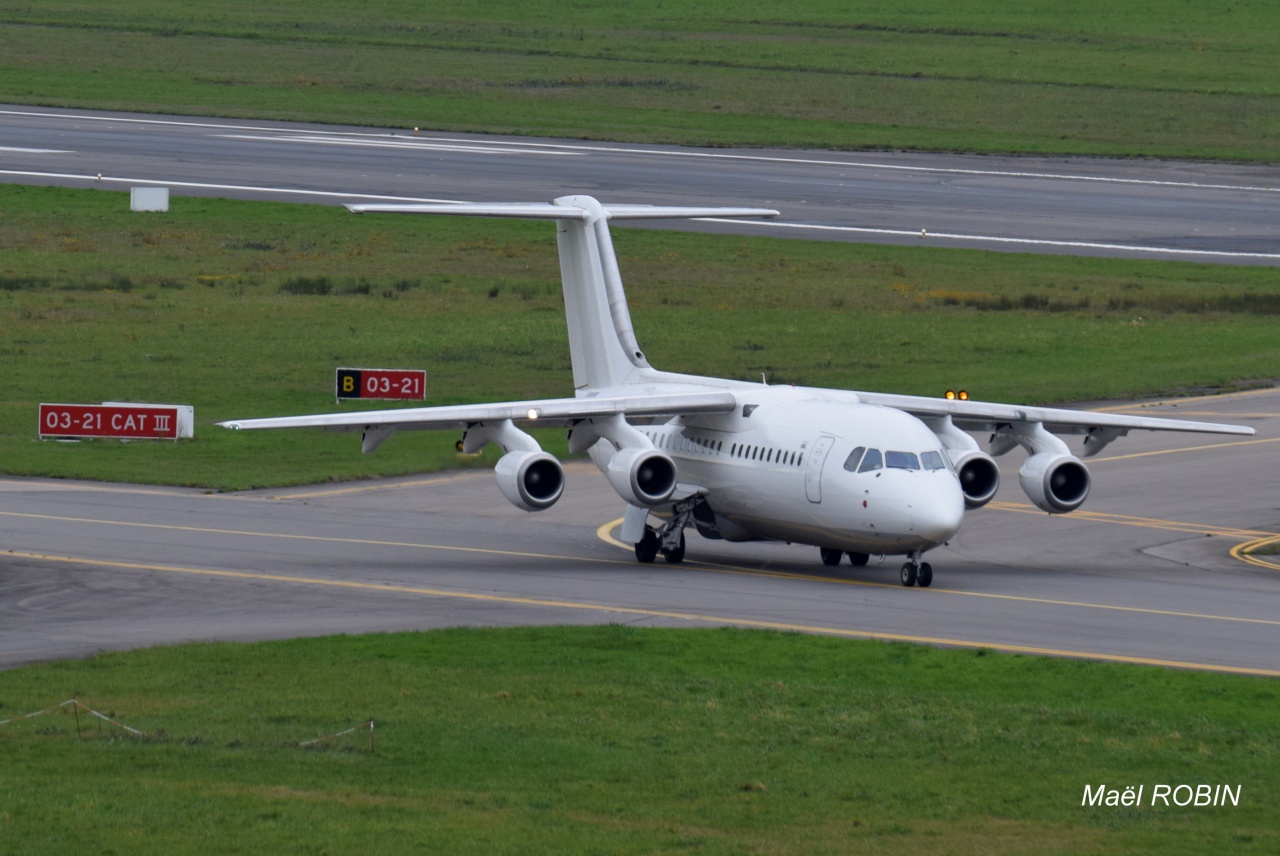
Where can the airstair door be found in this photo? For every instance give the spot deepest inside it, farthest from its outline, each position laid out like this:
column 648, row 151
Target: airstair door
column 813, row 467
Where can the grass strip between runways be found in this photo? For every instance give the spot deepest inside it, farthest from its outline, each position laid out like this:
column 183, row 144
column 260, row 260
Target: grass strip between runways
column 246, row 309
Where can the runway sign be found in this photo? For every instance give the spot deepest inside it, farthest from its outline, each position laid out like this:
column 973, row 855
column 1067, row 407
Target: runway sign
column 386, row 384
column 118, row 421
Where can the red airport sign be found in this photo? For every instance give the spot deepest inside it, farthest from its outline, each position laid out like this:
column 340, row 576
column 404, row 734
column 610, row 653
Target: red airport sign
column 120, row 421
column 386, row 384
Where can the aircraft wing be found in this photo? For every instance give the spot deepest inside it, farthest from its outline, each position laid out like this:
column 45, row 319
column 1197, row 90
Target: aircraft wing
column 987, row 416
column 551, row 412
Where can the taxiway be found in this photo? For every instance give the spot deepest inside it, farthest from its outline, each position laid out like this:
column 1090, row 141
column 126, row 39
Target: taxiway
column 1144, row 573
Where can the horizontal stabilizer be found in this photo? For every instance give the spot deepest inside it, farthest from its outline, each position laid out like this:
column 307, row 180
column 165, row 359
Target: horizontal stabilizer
column 555, row 211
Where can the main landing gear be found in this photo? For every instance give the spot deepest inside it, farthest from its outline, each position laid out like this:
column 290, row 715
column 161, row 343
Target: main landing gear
column 649, row 546
column 832, row 556
column 669, row 540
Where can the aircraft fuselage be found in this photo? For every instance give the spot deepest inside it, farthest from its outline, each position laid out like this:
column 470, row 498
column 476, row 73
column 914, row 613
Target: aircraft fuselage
column 836, row 474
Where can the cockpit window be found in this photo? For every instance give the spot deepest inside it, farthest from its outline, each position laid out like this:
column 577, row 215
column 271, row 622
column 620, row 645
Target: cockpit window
column 851, row 462
column 932, row 461
column 901, row 461
column 871, row 461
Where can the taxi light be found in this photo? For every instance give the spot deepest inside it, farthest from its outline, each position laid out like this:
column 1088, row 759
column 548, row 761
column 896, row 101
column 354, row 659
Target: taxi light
column 964, row 395
column 951, row 395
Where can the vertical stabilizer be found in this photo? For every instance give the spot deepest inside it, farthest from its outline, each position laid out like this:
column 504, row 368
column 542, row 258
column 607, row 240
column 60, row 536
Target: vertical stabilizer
column 602, row 341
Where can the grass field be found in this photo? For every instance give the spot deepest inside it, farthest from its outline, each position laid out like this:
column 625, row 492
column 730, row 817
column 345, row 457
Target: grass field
column 246, row 309
column 1179, row 79
column 613, row 740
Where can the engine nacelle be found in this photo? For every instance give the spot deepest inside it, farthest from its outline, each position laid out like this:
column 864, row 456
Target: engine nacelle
column 531, row 481
column 979, row 478
column 643, row 477
column 1055, row 483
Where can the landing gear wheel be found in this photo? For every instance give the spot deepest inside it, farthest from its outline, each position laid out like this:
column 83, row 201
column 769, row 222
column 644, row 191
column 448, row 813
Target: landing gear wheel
column 909, row 571
column 674, row 556
column 859, row 560
column 647, row 546
column 830, row 556
column 924, row 577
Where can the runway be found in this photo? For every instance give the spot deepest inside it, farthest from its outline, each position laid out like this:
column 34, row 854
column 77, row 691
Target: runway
column 1201, row 212
column 1144, row 573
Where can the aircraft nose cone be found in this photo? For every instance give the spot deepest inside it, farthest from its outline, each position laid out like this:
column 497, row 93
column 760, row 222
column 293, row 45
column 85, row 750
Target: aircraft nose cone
column 937, row 517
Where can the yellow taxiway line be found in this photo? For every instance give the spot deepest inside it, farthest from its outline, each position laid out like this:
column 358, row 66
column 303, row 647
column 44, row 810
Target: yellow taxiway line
column 319, row 538
column 1244, row 552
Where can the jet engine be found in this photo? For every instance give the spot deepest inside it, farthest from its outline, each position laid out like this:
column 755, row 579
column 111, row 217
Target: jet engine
column 643, row 477
column 979, row 478
column 531, row 481
column 1056, row 483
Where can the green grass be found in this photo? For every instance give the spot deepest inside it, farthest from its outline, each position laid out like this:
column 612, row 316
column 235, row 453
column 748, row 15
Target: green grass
column 1181, row 79
column 201, row 306
column 615, row 740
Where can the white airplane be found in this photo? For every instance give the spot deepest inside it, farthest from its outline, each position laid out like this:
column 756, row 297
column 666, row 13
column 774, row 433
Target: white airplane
column 857, row 473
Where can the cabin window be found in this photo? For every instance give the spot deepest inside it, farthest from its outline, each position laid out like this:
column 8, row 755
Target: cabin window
column 871, row 461
column 901, row 461
column 855, row 458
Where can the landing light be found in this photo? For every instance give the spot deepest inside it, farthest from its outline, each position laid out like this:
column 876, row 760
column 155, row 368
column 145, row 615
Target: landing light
column 952, row 395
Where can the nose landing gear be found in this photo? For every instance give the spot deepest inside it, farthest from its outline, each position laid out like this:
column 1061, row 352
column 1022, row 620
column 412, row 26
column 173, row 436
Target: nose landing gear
column 916, row 572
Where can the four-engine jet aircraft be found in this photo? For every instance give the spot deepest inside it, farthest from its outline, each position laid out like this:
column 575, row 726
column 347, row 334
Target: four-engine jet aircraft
column 856, row 473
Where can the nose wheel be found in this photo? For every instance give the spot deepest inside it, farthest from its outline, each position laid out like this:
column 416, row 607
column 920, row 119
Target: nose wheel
column 917, row 573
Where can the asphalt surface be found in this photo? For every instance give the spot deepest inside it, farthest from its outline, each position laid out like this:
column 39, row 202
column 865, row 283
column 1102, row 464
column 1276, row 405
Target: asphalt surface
column 1200, row 212
column 1143, row 573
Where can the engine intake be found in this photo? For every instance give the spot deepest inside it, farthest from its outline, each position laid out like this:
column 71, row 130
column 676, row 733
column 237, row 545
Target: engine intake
column 1055, row 483
column 532, row 481
column 643, row 477
column 979, row 478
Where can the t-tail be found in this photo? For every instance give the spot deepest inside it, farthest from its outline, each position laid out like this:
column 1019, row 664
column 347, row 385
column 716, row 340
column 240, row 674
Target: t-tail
column 602, row 342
